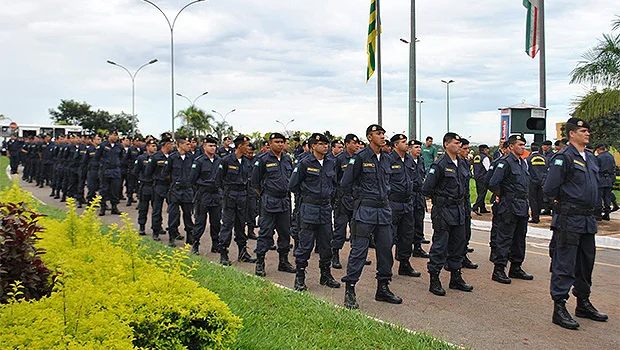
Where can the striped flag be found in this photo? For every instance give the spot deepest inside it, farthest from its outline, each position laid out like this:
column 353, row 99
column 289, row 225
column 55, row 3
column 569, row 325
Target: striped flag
column 372, row 40
column 532, row 29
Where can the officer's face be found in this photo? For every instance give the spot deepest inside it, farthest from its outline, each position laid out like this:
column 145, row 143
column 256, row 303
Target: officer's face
column 580, row 136
column 464, row 150
column 226, row 143
column 453, row 147
column 243, row 147
column 401, row 145
column 352, row 146
column 183, row 146
column 97, row 140
column 152, row 148
column 209, row 148
column 113, row 138
column 337, row 149
column 192, row 145
column 320, row 148
column 376, row 138
column 517, row 148
column 415, row 150
column 546, row 148
column 277, row 145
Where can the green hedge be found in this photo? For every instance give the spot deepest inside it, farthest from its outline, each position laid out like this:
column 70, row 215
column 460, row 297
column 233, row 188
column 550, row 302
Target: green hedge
column 110, row 297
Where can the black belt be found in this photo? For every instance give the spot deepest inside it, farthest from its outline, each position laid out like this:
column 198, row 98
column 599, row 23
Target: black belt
column 374, row 203
column 445, row 201
column 161, row 183
column 315, row 200
column 275, row 194
column 574, row 209
column 399, row 198
column 208, row 189
column 235, row 187
column 511, row 195
column 181, row 186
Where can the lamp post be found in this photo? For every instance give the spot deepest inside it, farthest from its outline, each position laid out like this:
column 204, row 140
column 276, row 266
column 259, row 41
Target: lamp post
column 420, row 103
column 285, row 126
column 171, row 26
column 223, row 116
column 447, row 102
column 412, row 75
column 194, row 101
column 133, row 81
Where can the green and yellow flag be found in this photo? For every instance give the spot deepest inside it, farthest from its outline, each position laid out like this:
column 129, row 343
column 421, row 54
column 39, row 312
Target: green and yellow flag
column 372, row 40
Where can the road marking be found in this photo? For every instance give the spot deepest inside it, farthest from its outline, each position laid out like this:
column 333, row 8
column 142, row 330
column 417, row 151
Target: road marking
column 547, row 255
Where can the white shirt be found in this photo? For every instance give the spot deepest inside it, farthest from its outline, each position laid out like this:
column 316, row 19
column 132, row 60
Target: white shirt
column 583, row 155
column 183, row 156
column 320, row 161
column 486, row 163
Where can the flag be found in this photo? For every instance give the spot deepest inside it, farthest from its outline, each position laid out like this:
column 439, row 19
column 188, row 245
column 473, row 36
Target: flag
column 372, row 40
column 532, row 28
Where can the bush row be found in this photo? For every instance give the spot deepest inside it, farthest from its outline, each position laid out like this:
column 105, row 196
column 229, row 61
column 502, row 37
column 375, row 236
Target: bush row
column 107, row 296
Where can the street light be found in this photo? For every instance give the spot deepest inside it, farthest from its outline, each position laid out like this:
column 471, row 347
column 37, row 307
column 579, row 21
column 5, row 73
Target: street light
column 223, row 116
column 420, row 103
column 285, row 126
column 133, row 81
column 194, row 101
column 171, row 26
column 412, row 75
column 447, row 103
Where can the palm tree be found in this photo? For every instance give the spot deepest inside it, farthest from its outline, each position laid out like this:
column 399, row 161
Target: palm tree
column 195, row 120
column 221, row 129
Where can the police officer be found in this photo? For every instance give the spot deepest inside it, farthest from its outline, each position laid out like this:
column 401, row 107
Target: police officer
column 419, row 201
column 482, row 162
column 343, row 211
column 58, row 166
column 130, row 158
column 445, row 185
column 337, row 147
column 401, row 202
column 606, row 178
column 208, row 197
column 225, row 149
column 145, row 188
column 270, row 179
column 537, row 166
column 194, row 149
column 178, row 168
column 83, row 146
column 367, row 178
column 13, row 150
column 253, row 199
column 510, row 183
column 572, row 184
column 46, row 151
column 498, row 152
column 314, row 181
column 92, row 168
column 503, row 151
column 232, row 176
column 463, row 154
column 109, row 156
column 161, row 184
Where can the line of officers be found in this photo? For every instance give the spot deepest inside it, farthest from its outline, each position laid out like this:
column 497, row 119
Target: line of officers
column 378, row 191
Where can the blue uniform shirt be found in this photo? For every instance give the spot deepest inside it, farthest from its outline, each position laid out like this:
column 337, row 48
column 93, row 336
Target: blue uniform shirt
column 270, row 177
column 315, row 184
column 401, row 182
column 109, row 157
column 511, row 179
column 537, row 166
column 445, row 185
column 607, row 169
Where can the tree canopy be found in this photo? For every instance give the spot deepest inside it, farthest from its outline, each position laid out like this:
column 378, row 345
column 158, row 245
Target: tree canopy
column 71, row 112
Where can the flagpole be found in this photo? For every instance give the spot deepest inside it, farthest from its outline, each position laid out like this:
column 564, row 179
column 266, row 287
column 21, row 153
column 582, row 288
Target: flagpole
column 379, row 89
column 542, row 70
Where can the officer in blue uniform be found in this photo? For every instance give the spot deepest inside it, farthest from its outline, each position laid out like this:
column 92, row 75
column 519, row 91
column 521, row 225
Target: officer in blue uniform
column 510, row 183
column 92, row 168
column 161, row 184
column 109, row 156
column 253, row 199
column 606, row 178
column 572, row 183
column 419, row 201
column 13, row 147
column 314, row 182
column 482, row 162
column 401, row 202
column 225, row 149
column 232, row 176
column 270, row 179
column 464, row 154
column 367, row 178
column 503, row 149
column 61, row 144
column 537, row 166
column 130, row 158
column 47, row 161
column 343, row 211
column 181, row 196
column 208, row 197
column 445, row 185
column 145, row 184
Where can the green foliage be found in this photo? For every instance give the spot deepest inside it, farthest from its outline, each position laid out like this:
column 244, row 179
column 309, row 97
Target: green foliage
column 20, row 261
column 108, row 296
column 75, row 113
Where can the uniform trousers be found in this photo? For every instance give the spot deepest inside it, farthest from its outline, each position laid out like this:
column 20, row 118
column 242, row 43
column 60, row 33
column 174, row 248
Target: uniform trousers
column 308, row 234
column 268, row 223
column 360, row 242
column 573, row 263
column 447, row 248
column 511, row 232
column 402, row 222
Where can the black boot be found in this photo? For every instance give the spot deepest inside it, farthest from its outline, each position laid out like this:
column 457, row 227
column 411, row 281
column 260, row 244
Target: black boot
column 260, row 265
column 615, row 207
column 336, row 259
column 435, row 286
column 327, row 279
column 499, row 275
column 244, row 256
column 171, row 240
column 300, row 279
column 195, row 248
column 405, row 269
column 53, row 194
column 517, row 272
column 385, row 294
column 102, row 211
column 367, row 262
column 587, row 310
column 468, row 264
column 561, row 316
column 156, row 236
column 63, row 198
column 224, row 260
column 419, row 252
column 284, row 265
column 142, row 231
column 606, row 217
column 350, row 301
column 457, row 282
column 115, row 210
column 130, row 201
column 214, row 246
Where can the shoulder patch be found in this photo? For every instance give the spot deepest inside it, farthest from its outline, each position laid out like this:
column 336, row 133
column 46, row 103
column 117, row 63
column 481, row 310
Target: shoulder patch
column 500, row 165
column 352, row 161
column 432, row 171
column 558, row 162
column 194, row 166
column 295, row 170
column 257, row 163
column 220, row 166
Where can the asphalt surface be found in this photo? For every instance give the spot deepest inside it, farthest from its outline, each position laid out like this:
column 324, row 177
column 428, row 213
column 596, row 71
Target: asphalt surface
column 493, row 316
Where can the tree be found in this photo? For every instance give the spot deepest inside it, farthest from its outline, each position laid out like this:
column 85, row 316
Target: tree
column 221, row 129
column 196, row 120
column 125, row 124
column 70, row 112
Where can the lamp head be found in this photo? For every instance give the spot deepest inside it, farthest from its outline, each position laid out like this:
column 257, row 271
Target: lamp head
column 153, row 61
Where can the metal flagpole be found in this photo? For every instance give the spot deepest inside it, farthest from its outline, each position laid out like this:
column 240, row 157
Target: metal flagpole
column 542, row 70
column 412, row 77
column 379, row 95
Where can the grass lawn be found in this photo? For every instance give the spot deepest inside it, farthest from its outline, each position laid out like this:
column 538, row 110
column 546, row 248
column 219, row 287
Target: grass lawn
column 277, row 318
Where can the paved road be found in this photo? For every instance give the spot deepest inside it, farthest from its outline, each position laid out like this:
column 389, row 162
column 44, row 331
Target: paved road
column 493, row 316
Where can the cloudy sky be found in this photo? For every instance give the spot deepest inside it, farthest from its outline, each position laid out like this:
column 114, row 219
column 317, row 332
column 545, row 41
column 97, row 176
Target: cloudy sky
column 281, row 60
